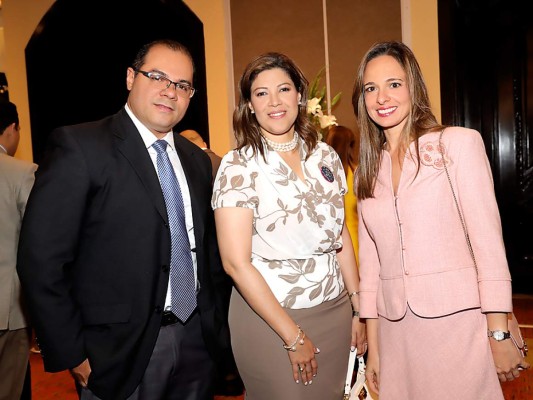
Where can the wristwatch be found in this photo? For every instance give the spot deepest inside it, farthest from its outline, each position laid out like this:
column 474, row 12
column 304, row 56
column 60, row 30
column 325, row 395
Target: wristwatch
column 499, row 335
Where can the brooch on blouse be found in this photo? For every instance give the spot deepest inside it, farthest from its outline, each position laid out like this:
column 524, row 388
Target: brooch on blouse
column 327, row 174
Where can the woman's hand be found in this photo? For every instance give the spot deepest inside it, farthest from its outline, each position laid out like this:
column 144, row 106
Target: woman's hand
column 234, row 232
column 303, row 361
column 359, row 336
column 372, row 363
column 372, row 371
column 507, row 359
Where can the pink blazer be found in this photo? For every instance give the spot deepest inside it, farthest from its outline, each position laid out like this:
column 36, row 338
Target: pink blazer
column 412, row 248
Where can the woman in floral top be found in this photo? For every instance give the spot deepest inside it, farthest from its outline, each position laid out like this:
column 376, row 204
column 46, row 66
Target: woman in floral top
column 432, row 316
column 279, row 210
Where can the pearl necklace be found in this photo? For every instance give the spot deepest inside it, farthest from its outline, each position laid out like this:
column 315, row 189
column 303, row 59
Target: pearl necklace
column 283, row 147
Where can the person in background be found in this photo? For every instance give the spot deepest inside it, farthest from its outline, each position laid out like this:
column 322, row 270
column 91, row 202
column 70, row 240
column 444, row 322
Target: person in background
column 425, row 303
column 343, row 141
column 195, row 137
column 118, row 252
column 279, row 211
column 16, row 181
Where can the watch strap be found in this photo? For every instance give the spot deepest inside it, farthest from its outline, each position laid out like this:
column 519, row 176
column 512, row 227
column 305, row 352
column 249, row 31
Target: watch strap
column 499, row 335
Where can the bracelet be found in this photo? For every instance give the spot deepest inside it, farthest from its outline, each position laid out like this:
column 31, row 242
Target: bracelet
column 355, row 313
column 353, row 294
column 299, row 339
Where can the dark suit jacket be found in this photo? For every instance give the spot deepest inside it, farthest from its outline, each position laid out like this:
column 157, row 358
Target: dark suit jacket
column 94, row 252
column 215, row 161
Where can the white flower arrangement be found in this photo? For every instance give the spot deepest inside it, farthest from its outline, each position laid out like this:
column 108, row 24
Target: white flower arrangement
column 316, row 104
column 314, row 109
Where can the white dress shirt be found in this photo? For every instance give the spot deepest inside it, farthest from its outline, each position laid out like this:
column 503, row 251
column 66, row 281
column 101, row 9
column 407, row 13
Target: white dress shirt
column 149, row 139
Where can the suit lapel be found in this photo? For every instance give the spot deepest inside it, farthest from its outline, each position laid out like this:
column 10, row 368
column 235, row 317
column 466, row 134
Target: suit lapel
column 131, row 146
column 190, row 168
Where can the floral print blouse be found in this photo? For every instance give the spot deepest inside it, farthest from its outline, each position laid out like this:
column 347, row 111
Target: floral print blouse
column 296, row 225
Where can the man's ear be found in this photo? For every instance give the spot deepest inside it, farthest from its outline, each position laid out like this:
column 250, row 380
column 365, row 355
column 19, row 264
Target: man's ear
column 10, row 129
column 11, row 138
column 130, row 77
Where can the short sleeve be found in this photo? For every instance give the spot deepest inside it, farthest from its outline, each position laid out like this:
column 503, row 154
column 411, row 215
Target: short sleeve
column 234, row 184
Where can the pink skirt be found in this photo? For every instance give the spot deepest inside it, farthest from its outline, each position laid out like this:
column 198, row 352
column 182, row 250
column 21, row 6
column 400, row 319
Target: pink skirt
column 437, row 358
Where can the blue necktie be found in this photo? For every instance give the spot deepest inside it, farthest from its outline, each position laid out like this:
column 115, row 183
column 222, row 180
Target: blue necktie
column 182, row 282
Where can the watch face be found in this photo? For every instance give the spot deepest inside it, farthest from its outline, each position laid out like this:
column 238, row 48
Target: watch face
column 498, row 335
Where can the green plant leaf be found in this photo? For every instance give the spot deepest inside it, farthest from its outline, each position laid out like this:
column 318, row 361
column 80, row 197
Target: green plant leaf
column 313, row 87
column 321, row 95
column 336, row 99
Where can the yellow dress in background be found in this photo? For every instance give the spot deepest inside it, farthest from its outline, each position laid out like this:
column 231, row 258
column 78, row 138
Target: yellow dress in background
column 350, row 207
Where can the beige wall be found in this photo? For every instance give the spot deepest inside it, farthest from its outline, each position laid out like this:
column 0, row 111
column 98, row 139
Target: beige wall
column 2, row 50
column 258, row 26
column 218, row 58
column 295, row 28
column 419, row 31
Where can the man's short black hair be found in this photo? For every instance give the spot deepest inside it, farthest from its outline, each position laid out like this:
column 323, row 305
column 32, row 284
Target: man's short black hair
column 8, row 114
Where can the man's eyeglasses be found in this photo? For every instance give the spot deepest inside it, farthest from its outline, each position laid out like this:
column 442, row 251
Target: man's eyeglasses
column 183, row 89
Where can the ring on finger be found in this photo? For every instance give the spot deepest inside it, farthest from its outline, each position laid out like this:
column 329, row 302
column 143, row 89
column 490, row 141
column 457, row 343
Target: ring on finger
column 301, row 367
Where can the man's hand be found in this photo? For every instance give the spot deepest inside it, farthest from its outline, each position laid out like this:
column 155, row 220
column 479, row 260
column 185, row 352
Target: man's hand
column 81, row 373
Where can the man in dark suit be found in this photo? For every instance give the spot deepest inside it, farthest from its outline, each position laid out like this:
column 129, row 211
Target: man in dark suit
column 102, row 241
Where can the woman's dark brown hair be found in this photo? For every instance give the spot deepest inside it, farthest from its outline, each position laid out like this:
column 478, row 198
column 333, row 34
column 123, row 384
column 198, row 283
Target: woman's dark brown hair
column 247, row 129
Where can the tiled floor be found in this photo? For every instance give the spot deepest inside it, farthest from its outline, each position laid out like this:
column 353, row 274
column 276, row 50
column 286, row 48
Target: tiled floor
column 60, row 386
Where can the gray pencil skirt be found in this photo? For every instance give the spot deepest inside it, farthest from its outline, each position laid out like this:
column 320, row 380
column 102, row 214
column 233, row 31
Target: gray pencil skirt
column 264, row 365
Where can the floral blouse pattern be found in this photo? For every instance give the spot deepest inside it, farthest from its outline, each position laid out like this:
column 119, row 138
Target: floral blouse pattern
column 296, row 225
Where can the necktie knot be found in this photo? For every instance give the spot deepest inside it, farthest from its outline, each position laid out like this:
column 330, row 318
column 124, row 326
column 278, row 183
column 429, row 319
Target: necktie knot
column 160, row 146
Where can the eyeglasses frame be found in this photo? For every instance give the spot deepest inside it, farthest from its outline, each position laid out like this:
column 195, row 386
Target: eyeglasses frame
column 169, row 82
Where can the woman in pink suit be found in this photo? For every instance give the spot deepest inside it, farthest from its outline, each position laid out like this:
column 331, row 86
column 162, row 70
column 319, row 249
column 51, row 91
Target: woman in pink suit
column 436, row 325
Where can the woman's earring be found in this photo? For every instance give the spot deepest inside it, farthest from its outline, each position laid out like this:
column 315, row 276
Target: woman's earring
column 253, row 112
